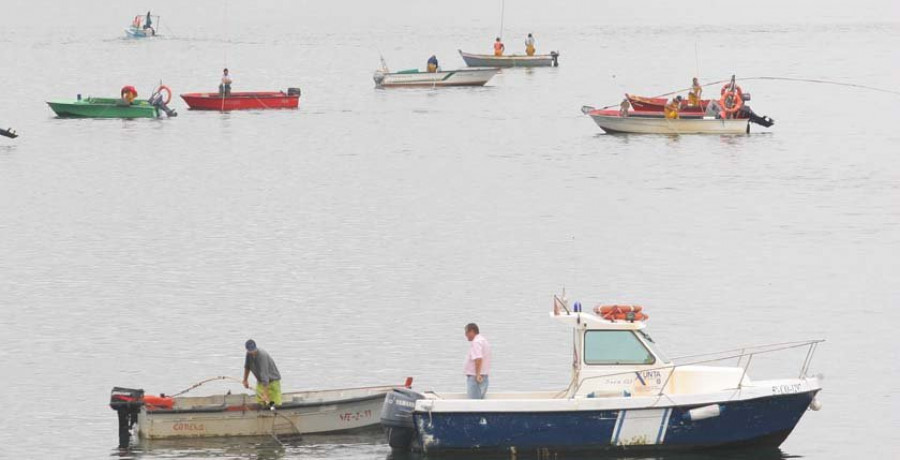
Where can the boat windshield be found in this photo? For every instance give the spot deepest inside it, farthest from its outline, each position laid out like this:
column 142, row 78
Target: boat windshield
column 653, row 346
column 615, row 347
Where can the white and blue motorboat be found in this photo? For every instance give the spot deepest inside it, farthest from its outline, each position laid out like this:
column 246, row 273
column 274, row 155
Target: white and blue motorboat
column 625, row 396
column 142, row 26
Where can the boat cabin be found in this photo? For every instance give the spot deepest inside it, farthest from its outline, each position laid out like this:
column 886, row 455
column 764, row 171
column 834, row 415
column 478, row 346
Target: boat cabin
column 614, row 356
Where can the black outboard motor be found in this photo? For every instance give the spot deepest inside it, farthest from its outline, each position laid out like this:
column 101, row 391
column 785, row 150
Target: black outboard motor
column 156, row 100
column 294, row 92
column 555, row 56
column 127, row 402
column 747, row 112
column 397, row 419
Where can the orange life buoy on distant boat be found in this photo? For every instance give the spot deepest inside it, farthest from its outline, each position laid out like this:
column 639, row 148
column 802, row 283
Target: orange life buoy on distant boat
column 167, row 90
column 736, row 101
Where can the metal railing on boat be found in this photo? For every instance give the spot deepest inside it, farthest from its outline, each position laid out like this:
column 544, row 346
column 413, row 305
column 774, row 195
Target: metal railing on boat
column 738, row 353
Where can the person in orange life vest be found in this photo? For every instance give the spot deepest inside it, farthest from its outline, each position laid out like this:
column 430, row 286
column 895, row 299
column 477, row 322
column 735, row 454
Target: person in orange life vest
column 499, row 48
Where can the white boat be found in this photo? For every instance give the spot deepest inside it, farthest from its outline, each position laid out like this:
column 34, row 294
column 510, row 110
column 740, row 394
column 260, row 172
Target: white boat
column 611, row 121
column 624, row 395
column 442, row 78
column 511, row 60
column 139, row 29
column 229, row 415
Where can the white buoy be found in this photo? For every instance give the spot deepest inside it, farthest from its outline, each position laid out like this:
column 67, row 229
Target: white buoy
column 815, row 404
column 700, row 413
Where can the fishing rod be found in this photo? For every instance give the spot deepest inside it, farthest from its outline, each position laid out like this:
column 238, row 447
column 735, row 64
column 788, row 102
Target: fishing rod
column 203, row 382
column 792, row 79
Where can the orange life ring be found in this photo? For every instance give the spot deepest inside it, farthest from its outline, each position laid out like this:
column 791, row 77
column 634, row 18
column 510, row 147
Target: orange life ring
column 736, row 99
column 168, row 93
column 727, row 87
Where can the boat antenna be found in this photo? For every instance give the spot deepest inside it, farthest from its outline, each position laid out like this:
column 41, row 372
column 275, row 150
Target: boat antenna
column 696, row 61
column 502, row 8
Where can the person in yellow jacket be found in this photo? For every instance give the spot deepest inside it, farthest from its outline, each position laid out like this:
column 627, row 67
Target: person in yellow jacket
column 499, row 48
column 696, row 92
column 529, row 45
column 671, row 109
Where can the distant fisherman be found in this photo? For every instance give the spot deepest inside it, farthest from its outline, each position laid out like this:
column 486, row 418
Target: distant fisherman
column 268, row 379
column 225, row 85
column 499, row 48
column 433, row 65
column 671, row 109
column 696, row 92
column 478, row 363
column 529, row 45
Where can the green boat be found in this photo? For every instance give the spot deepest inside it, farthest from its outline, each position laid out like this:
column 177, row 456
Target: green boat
column 99, row 107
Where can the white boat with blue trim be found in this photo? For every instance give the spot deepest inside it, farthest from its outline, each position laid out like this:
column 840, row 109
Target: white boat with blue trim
column 415, row 78
column 624, row 396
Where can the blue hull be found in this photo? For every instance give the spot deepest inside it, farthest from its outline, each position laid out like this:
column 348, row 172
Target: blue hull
column 764, row 422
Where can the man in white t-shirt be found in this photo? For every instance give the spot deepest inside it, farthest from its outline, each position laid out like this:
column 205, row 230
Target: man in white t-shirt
column 478, row 363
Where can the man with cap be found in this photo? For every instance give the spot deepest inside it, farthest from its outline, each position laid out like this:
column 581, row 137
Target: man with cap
column 268, row 379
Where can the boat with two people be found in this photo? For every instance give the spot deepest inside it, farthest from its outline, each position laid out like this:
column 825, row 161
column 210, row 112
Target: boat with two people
column 142, row 26
column 729, row 114
column 499, row 58
column 432, row 77
column 125, row 106
column 230, row 414
column 624, row 397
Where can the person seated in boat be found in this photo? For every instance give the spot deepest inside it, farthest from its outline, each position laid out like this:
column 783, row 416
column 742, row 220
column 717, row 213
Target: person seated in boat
column 225, row 84
column 529, row 45
column 148, row 24
column 671, row 109
column 478, row 363
column 696, row 92
column 128, row 94
column 623, row 107
column 499, row 48
column 268, row 379
column 433, row 65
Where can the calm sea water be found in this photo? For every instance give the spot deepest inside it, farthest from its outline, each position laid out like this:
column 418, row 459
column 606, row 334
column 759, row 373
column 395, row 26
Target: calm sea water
column 354, row 237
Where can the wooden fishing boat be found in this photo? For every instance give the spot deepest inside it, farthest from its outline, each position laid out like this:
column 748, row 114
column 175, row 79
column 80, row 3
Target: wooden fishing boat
column 441, row 78
column 244, row 101
column 625, row 398
column 232, row 415
column 612, row 121
column 100, row 107
column 512, row 60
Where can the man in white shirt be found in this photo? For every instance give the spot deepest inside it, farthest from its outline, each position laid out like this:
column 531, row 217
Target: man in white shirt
column 478, row 363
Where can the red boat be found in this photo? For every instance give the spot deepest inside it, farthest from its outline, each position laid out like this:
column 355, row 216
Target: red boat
column 658, row 104
column 244, row 101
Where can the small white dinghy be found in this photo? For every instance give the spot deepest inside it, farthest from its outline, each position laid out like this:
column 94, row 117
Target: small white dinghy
column 230, row 415
column 442, row 78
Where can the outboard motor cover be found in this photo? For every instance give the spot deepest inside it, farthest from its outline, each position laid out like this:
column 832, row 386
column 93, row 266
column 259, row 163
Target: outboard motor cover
column 293, row 92
column 127, row 402
column 397, row 416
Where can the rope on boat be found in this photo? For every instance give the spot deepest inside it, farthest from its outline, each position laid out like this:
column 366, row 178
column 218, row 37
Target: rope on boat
column 800, row 80
column 203, row 382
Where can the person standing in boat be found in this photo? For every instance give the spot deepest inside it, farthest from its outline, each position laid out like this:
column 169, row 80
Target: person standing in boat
column 148, row 24
column 695, row 94
column 433, row 65
column 499, row 48
column 478, row 363
column 529, row 45
column 268, row 379
column 225, row 84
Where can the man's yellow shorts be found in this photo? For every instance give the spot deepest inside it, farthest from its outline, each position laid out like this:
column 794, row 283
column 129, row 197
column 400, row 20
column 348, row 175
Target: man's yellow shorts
column 274, row 392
